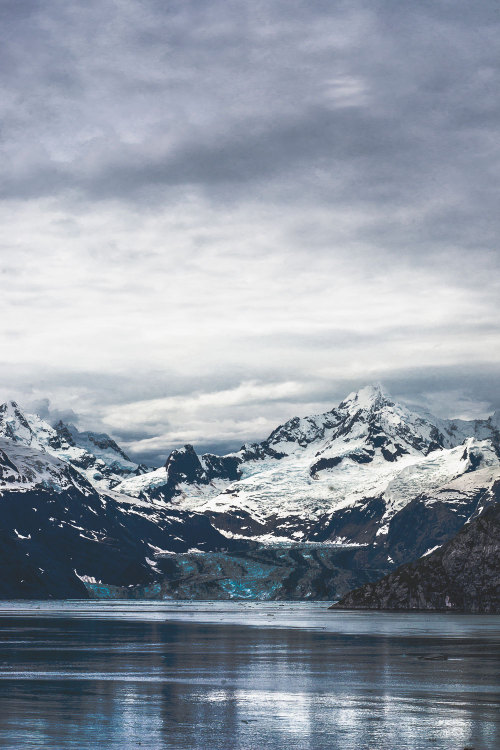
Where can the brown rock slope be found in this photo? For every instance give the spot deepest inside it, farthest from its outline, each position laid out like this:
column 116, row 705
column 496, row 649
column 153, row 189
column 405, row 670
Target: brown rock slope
column 463, row 575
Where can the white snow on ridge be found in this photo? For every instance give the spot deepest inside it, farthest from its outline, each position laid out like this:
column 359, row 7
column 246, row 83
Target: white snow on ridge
column 438, row 470
column 368, row 447
column 149, row 481
column 336, row 460
column 92, row 453
column 431, row 550
column 285, row 487
column 29, row 468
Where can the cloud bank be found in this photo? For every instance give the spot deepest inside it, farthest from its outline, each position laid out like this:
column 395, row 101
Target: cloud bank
column 215, row 216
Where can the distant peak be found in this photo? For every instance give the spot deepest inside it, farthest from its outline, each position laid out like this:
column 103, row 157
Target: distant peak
column 366, row 397
column 184, row 465
column 9, row 406
column 371, row 391
column 11, row 409
column 67, row 426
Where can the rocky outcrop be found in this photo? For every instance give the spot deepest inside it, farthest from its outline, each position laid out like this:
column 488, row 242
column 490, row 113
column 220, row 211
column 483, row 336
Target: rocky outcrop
column 222, row 467
column 185, row 466
column 463, row 575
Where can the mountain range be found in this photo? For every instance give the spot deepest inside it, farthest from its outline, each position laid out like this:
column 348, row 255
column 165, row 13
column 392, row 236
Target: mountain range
column 365, row 487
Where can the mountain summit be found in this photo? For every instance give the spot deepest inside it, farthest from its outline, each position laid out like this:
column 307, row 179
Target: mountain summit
column 345, row 476
column 95, row 455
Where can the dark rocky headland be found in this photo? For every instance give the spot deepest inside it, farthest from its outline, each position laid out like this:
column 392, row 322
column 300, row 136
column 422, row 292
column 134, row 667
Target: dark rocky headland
column 463, row 575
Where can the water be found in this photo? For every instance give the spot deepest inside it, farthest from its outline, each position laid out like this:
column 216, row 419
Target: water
column 245, row 676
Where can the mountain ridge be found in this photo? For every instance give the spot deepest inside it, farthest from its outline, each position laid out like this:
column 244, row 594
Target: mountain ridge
column 369, row 475
column 96, row 455
column 369, row 451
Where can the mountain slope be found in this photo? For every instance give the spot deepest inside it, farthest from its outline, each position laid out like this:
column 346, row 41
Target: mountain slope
column 95, row 455
column 56, row 530
column 462, row 575
column 457, row 430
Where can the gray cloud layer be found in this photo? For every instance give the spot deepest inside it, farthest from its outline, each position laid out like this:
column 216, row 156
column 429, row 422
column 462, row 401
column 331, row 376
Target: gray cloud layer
column 232, row 198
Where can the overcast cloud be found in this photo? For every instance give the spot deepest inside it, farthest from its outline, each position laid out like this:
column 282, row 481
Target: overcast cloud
column 217, row 215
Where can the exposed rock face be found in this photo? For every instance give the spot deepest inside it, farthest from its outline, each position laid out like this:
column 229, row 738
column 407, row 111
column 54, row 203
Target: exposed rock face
column 431, row 520
column 185, row 466
column 222, row 467
column 462, row 575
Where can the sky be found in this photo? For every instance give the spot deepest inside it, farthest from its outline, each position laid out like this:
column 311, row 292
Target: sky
column 217, row 215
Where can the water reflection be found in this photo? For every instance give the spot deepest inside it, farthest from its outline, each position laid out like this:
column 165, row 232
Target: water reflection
column 82, row 680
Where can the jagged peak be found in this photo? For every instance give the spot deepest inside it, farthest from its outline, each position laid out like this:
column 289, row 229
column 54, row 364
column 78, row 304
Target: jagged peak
column 64, row 432
column 366, row 397
column 89, row 440
column 9, row 407
column 95, row 455
column 15, row 424
column 187, row 450
column 184, row 465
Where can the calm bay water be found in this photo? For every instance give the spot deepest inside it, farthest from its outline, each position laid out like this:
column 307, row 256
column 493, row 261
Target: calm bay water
column 231, row 676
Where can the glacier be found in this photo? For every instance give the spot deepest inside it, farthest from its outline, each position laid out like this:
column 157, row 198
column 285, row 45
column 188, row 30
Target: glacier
column 324, row 502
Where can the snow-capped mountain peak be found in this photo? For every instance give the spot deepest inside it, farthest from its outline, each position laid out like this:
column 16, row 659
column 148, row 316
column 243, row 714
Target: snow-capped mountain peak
column 369, row 453
column 97, row 443
column 366, row 398
column 24, row 468
column 366, row 424
column 28, row 429
column 95, row 455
